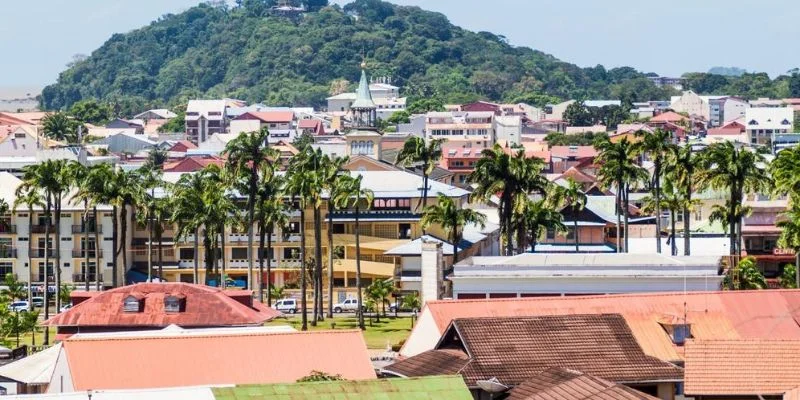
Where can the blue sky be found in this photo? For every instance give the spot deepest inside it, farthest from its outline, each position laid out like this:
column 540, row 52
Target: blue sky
column 38, row 37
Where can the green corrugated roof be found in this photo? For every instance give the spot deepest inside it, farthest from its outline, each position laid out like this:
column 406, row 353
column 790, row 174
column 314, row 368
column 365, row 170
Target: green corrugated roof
column 422, row 388
column 363, row 95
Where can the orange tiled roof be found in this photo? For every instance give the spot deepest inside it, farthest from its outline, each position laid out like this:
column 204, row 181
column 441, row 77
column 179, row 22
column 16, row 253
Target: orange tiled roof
column 269, row 116
column 793, row 394
column 573, row 151
column 193, row 163
column 741, row 367
column 137, row 362
column 713, row 315
column 204, row 306
column 669, row 116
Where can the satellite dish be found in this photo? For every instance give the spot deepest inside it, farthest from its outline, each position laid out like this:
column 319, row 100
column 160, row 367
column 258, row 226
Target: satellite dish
column 492, row 386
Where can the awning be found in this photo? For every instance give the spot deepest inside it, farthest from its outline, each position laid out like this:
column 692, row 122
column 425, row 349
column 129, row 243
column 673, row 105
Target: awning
column 35, row 369
column 368, row 242
column 380, row 269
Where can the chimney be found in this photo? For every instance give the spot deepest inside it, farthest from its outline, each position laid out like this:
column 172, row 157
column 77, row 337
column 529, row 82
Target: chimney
column 432, row 286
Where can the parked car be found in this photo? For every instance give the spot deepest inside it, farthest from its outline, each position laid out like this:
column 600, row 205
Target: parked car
column 349, row 305
column 65, row 307
column 37, row 301
column 394, row 308
column 286, row 306
column 19, row 306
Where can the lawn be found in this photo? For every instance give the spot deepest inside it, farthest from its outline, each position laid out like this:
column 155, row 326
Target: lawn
column 26, row 338
column 390, row 331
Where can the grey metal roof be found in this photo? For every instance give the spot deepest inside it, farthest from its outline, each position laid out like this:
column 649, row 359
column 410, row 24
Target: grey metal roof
column 363, row 95
column 414, row 247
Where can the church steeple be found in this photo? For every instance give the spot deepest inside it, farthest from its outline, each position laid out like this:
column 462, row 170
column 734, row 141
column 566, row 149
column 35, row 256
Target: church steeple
column 363, row 108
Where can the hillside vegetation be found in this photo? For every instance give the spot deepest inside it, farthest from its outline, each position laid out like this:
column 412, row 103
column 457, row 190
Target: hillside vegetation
column 242, row 52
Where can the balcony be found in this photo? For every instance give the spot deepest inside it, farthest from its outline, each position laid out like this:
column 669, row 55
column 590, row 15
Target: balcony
column 8, row 253
column 42, row 228
column 40, row 253
column 7, row 228
column 82, row 229
column 80, row 277
column 80, row 253
column 377, row 215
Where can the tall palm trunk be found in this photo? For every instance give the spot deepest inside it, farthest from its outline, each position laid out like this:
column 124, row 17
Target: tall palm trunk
column 674, row 245
column 46, row 294
column 358, row 275
column 261, row 239
column 114, row 245
column 251, row 207
column 330, row 259
column 626, row 195
column 318, row 262
column 687, row 233
column 732, row 223
column 223, row 278
column 303, row 283
column 619, row 217
column 215, row 255
column 575, row 228
column 160, row 234
column 57, row 245
column 507, row 205
column 269, row 265
column 150, row 247
column 96, row 249
column 657, row 177
column 123, row 222
column 208, row 244
column 196, row 255
column 86, row 244
column 424, row 186
column 30, row 255
column 797, row 268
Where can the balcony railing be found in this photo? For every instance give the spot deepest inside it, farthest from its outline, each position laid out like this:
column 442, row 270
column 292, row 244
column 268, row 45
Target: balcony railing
column 80, row 253
column 92, row 228
column 40, row 253
column 8, row 252
column 80, row 277
column 42, row 228
column 387, row 215
column 7, row 228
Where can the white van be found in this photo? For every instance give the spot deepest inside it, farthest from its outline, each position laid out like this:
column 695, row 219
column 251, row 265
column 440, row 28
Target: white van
column 286, row 306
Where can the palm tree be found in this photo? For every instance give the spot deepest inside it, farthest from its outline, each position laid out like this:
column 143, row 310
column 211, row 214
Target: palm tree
column 785, row 171
column 352, row 194
column 143, row 193
column 618, row 169
column 740, row 171
column 219, row 209
column 271, row 213
column 790, row 235
column 452, row 219
column 121, row 191
column 187, row 212
column 657, row 145
column 535, row 217
column 301, row 188
column 379, row 290
column 245, row 155
column 60, row 126
column 671, row 201
column 329, row 175
column 749, row 276
column 682, row 163
column 30, row 197
column 78, row 176
column 572, row 197
column 91, row 189
column 414, row 151
column 511, row 176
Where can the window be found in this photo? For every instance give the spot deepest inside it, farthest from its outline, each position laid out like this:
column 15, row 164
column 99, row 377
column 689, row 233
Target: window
column 291, row 253
column 785, row 122
column 404, row 231
column 698, row 214
column 186, row 254
column 570, row 234
column 753, row 122
column 173, row 304
column 551, row 233
column 131, row 304
column 19, row 135
column 6, row 268
column 239, row 253
column 338, row 228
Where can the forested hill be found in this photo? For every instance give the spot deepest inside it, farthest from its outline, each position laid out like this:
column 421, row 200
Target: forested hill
column 243, row 52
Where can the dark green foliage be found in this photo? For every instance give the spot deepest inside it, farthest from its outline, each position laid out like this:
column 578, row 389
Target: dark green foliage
column 91, row 111
column 242, row 52
column 176, row 124
column 422, row 106
column 577, row 114
column 581, row 139
column 400, row 117
column 747, row 85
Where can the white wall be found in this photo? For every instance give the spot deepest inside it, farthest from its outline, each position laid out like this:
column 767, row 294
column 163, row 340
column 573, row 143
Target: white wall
column 245, row 125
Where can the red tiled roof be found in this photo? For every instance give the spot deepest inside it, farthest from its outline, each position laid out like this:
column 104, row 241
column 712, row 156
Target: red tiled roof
column 183, row 145
column 194, row 360
column 269, row 116
column 741, row 367
column 193, row 163
column 724, row 131
column 573, row 151
column 713, row 315
column 514, row 348
column 669, row 116
column 564, row 384
column 204, row 306
column 577, row 175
